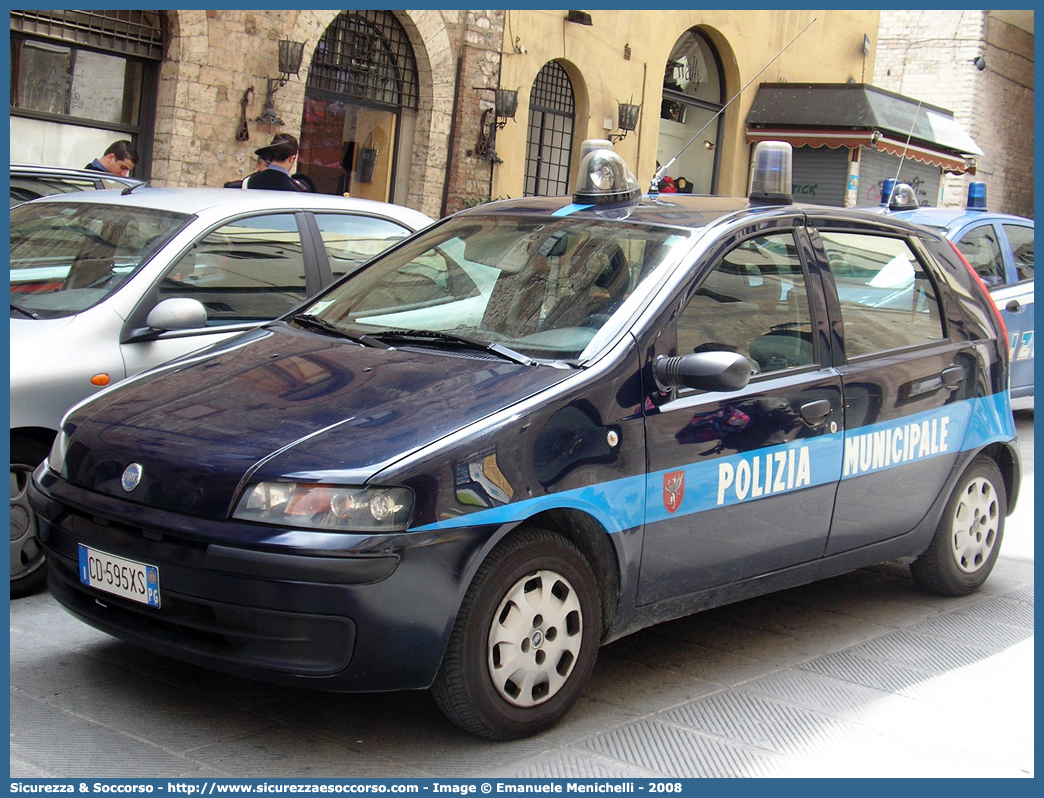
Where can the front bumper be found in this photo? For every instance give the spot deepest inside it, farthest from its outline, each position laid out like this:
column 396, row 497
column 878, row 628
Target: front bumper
column 318, row 610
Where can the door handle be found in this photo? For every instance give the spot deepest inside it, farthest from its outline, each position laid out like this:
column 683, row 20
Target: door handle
column 1013, row 306
column 815, row 412
column 953, row 377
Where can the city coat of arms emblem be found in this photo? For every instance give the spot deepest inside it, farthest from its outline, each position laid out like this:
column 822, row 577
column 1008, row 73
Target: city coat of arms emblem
column 673, row 490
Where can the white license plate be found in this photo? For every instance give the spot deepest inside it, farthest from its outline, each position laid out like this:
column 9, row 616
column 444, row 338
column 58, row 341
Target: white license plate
column 131, row 580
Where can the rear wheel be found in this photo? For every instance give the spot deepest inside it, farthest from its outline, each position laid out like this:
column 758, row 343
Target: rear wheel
column 967, row 542
column 28, row 571
column 525, row 641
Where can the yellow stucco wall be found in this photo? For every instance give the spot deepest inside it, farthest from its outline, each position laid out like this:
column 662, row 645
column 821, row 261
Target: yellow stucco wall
column 830, row 51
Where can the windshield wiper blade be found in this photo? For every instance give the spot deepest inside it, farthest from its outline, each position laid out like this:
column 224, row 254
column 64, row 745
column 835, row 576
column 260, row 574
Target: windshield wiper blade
column 29, row 314
column 439, row 337
column 316, row 323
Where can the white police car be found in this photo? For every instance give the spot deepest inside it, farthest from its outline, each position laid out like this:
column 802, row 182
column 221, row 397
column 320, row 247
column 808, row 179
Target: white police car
column 538, row 426
column 1000, row 249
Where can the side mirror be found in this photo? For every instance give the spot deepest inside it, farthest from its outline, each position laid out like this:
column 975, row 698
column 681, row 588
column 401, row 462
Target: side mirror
column 178, row 313
column 705, row 371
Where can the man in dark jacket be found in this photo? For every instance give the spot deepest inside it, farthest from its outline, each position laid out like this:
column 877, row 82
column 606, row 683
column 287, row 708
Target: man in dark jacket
column 119, row 159
column 280, row 155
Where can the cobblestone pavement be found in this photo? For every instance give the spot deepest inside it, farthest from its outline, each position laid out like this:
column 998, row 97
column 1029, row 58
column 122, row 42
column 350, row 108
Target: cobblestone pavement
column 860, row 675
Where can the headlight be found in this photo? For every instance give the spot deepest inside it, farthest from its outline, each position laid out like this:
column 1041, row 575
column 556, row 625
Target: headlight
column 56, row 457
column 335, row 507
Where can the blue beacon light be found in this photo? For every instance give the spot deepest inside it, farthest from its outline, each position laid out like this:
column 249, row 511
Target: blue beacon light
column 887, row 190
column 976, row 196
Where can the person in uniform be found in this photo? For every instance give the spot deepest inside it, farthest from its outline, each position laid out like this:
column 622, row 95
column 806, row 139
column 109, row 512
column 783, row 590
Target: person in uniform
column 280, row 157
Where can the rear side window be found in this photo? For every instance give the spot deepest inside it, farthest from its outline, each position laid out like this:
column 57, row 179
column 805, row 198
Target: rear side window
column 351, row 240
column 887, row 299
column 981, row 249
column 1021, row 239
column 248, row 270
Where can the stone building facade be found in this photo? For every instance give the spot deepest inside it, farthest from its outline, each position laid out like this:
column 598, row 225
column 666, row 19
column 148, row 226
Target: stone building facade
column 413, row 91
column 214, row 55
column 931, row 55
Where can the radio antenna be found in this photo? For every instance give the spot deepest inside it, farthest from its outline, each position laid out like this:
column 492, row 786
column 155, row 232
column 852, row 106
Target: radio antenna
column 902, row 160
column 662, row 171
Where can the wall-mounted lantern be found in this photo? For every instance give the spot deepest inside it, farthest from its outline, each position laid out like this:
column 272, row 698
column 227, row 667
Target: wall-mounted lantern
column 289, row 63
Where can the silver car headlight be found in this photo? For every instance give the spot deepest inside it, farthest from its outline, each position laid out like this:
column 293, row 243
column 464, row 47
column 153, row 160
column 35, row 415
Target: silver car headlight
column 334, row 507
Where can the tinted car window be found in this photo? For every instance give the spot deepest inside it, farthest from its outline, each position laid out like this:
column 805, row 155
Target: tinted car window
column 351, row 240
column 887, row 300
column 1021, row 239
column 68, row 257
column 755, row 302
column 249, row 270
column 980, row 248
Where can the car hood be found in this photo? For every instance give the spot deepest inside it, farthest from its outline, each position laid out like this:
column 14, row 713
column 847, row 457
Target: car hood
column 281, row 404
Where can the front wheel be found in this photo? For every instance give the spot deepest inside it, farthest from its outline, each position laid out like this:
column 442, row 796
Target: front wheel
column 28, row 570
column 525, row 640
column 968, row 539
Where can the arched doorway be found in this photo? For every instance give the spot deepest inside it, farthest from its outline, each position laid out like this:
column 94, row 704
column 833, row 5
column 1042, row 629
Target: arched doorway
column 693, row 92
column 552, row 108
column 360, row 106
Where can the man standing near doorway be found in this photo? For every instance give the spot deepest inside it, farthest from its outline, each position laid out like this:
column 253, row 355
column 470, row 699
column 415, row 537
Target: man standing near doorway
column 119, row 159
column 280, row 155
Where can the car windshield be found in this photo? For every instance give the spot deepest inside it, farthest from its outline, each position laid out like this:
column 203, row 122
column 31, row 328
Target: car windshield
column 539, row 287
column 67, row 257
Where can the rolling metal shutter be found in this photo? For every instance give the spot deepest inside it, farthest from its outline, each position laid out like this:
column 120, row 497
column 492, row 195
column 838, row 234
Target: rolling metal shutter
column 820, row 175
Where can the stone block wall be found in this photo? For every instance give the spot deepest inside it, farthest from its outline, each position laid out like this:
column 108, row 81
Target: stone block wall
column 478, row 76
column 214, row 56
column 929, row 55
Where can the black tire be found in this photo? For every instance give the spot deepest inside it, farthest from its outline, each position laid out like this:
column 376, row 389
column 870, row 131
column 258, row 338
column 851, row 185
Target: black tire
column 475, row 688
column 968, row 539
column 28, row 570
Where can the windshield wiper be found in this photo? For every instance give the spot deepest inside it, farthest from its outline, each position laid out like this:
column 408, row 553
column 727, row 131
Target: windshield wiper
column 29, row 314
column 316, row 323
column 438, row 337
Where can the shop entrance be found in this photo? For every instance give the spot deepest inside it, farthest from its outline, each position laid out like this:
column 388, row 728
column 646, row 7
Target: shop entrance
column 360, row 108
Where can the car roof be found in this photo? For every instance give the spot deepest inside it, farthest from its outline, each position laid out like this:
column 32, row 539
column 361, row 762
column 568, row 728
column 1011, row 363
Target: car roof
column 212, row 201
column 42, row 170
column 953, row 218
column 680, row 210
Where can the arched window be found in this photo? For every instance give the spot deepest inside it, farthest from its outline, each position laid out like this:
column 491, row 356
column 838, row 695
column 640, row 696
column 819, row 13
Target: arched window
column 693, row 92
column 81, row 80
column 361, row 98
column 550, row 143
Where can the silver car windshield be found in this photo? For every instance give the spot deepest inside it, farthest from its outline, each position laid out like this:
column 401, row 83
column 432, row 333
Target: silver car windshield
column 67, row 257
column 539, row 287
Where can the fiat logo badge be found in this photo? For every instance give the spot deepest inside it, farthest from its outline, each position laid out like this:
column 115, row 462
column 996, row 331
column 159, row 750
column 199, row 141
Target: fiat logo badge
column 131, row 477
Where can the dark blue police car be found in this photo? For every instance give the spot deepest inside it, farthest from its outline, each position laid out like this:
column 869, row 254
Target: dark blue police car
column 999, row 247
column 538, row 426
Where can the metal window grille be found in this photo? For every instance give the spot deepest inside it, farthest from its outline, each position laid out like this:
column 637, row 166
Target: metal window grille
column 366, row 55
column 550, row 143
column 133, row 33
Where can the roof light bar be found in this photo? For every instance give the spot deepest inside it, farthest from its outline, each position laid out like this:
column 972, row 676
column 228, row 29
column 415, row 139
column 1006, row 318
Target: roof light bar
column 773, row 171
column 604, row 177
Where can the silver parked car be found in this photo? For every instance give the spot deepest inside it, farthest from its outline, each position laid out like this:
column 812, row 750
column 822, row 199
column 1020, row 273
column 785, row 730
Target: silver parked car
column 107, row 284
column 30, row 181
